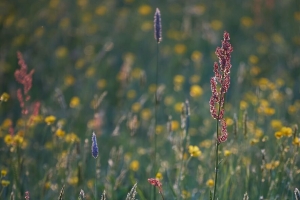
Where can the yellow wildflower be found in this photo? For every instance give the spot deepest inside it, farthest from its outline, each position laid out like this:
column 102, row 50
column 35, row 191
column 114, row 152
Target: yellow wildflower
column 47, row 185
column 90, row 72
column 227, row 153
column 287, row 131
column 49, row 145
column 178, row 107
column 186, row 194
column 246, row 22
column 278, row 134
column 4, row 97
column 276, row 124
column 90, row 184
column 136, row 72
column 216, row 25
column 101, row 83
column 210, row 183
column 8, row 139
column 253, row 59
column 206, row 143
column 229, row 121
column 297, row 16
column 196, row 91
column 272, row 165
column 82, row 3
column 6, row 123
column 180, row 49
column 269, row 111
column 194, row 151
column 131, row 94
column 74, row 103
column 275, row 164
column 146, row 114
column 50, row 120
column 73, row 180
column 3, row 172
column 64, row 23
column 18, row 139
column 152, row 88
column 71, row 137
column 37, row 118
column 159, row 176
column 243, row 105
column 69, row 80
column 178, row 79
column 174, row 125
column 196, row 56
column 61, row 52
column 292, row 109
column 20, row 122
column 101, row 10
column 169, row 100
column 159, row 129
column 79, row 63
column 136, row 107
column 254, row 141
column 194, row 79
column 296, row 141
column 258, row 133
column 268, row 166
column 60, row 133
column 255, row 70
column 134, row 165
column 145, row 10
column 5, row 183
column 147, row 26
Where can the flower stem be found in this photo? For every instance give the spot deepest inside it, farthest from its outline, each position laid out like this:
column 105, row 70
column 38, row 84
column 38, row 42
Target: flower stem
column 155, row 118
column 95, row 179
column 217, row 149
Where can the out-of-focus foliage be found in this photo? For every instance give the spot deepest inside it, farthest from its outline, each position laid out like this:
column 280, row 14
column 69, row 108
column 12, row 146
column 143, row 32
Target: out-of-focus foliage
column 95, row 70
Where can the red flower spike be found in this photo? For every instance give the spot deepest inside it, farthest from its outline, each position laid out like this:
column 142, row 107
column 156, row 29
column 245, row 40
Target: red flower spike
column 155, row 183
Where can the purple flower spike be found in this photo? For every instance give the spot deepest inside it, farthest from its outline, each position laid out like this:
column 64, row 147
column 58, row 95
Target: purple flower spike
column 94, row 146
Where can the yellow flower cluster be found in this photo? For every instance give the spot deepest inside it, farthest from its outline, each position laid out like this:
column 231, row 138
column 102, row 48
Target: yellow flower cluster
column 4, row 97
column 264, row 108
column 60, row 133
column 194, row 151
column 210, row 183
column 74, row 103
column 272, row 165
column 13, row 139
column 284, row 131
column 5, row 183
column 3, row 172
column 134, row 165
column 50, row 120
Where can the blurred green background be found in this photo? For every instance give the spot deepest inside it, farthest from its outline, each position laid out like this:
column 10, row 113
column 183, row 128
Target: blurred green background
column 83, row 49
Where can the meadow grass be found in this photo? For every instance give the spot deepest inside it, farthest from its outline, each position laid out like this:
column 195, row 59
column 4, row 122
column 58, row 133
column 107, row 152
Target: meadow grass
column 92, row 104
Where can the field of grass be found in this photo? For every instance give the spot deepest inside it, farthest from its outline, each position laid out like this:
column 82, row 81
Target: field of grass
column 94, row 106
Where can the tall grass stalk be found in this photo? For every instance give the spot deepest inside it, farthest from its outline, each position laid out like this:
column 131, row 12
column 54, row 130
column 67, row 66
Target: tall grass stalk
column 185, row 121
column 158, row 38
column 216, row 163
column 221, row 77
